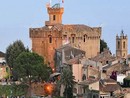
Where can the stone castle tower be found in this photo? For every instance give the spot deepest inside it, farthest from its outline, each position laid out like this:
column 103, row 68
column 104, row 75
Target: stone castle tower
column 55, row 34
column 122, row 45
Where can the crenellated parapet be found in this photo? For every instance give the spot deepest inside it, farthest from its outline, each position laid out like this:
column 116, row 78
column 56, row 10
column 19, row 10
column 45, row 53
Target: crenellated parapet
column 36, row 32
column 55, row 10
column 44, row 32
column 79, row 31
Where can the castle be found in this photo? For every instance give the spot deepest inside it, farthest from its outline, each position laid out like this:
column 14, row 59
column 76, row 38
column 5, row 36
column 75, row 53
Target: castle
column 55, row 34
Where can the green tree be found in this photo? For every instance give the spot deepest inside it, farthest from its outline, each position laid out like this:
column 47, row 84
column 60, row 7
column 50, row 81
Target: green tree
column 13, row 90
column 67, row 80
column 103, row 45
column 29, row 67
column 13, row 51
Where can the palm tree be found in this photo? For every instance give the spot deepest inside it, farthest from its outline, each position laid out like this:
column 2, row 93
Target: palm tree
column 67, row 80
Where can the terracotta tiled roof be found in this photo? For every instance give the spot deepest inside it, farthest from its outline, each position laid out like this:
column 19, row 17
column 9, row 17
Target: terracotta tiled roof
column 77, row 28
column 104, row 56
column 109, row 80
column 73, row 61
column 60, row 27
column 87, row 82
column 71, row 53
column 68, row 47
column 109, row 85
column 109, row 66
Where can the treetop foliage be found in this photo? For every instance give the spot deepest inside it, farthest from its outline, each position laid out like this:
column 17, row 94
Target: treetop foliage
column 103, row 45
column 13, row 51
column 30, row 66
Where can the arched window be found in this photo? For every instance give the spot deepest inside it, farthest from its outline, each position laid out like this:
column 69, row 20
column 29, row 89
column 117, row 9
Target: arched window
column 72, row 39
column 124, row 44
column 54, row 17
column 84, row 38
column 118, row 44
column 50, row 39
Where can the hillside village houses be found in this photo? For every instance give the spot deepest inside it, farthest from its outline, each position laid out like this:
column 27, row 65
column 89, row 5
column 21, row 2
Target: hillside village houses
column 78, row 47
column 97, row 75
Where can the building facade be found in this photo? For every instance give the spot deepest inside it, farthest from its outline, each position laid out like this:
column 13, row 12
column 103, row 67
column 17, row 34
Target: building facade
column 55, row 34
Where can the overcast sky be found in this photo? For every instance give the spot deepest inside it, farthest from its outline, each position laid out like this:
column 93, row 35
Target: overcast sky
column 17, row 16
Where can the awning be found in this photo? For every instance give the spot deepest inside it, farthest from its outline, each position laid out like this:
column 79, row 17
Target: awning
column 54, row 74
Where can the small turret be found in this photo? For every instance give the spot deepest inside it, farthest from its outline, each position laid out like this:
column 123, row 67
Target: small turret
column 55, row 14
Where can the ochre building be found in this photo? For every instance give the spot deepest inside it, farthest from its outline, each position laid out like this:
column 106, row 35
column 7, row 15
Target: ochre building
column 55, row 34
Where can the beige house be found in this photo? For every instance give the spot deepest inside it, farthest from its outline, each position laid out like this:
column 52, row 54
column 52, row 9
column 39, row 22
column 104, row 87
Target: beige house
column 88, row 89
column 109, row 88
column 86, row 69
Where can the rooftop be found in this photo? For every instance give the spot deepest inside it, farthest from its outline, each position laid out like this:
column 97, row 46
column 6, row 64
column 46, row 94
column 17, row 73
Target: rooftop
column 109, row 85
column 68, row 27
column 57, row 5
column 2, row 54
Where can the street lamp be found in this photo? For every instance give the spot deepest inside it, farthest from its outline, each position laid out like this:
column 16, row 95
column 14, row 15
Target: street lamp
column 48, row 88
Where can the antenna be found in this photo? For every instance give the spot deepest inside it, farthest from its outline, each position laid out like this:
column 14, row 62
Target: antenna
column 50, row 2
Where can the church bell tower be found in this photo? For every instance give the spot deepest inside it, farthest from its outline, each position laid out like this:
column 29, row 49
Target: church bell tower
column 122, row 45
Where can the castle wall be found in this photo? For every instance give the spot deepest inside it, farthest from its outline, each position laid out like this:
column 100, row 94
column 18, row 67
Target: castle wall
column 41, row 44
column 90, row 44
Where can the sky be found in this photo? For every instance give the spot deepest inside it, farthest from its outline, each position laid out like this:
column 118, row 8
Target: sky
column 17, row 16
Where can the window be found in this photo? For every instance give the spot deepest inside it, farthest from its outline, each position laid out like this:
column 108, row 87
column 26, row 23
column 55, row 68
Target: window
column 111, row 93
column 72, row 39
column 84, row 90
column 50, row 39
column 118, row 44
column 106, row 62
column 84, row 38
column 64, row 36
column 124, row 44
column 84, row 77
column 94, row 96
column 54, row 17
column 124, row 55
